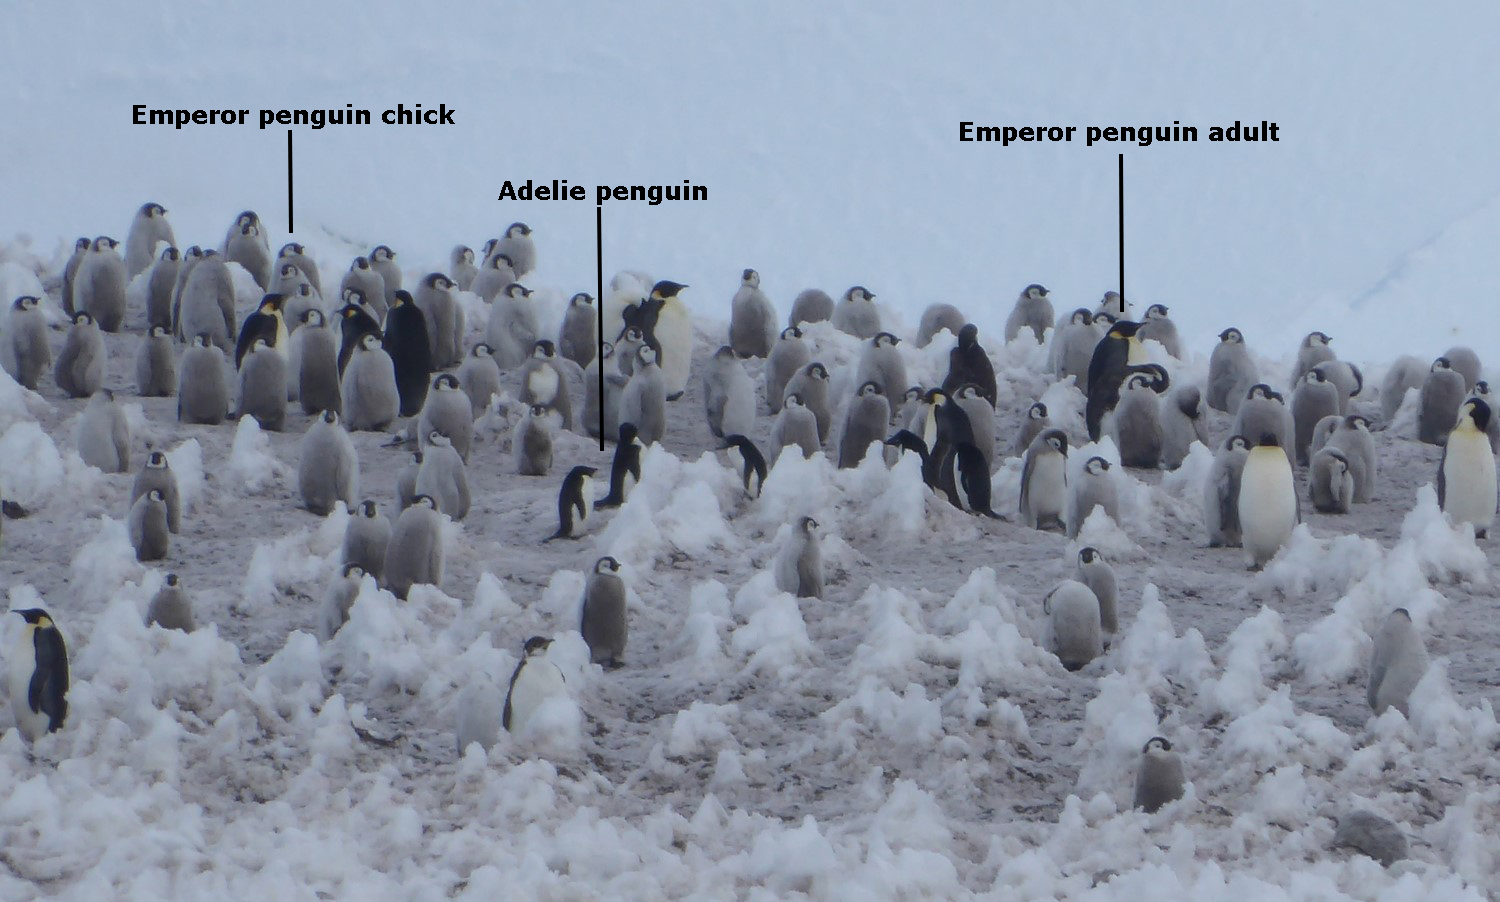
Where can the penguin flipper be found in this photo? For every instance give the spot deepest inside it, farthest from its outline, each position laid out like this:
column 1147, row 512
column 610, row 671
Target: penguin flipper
column 49, row 683
column 1442, row 481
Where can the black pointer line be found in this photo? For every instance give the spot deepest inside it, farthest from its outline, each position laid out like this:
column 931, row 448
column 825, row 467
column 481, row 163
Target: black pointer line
column 1122, row 235
column 289, row 228
column 599, row 309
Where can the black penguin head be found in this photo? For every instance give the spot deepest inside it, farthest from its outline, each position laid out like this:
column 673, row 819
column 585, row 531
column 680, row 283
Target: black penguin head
column 248, row 217
column 869, row 389
column 1124, row 329
column 1035, row 291
column 368, row 509
column 1081, row 317
column 885, row 339
column 817, row 371
column 36, row 616
column 370, row 342
column 790, row 332
column 666, row 289
column 170, row 254
column 201, row 340
column 1237, row 443
column 1259, row 390
column 1316, row 374
column 312, row 317
column 481, row 350
column 1481, row 387
column 1097, row 465
column 1268, row 440
column 1105, row 317
column 172, row 580
column 1088, row 554
column 1232, row 336
column 536, row 645
column 517, row 228
column 1355, row 421
column 607, row 564
column 402, row 298
column 500, row 260
column 538, row 411
column 424, row 501
column 359, row 263
column 1038, row 411
column 1442, row 363
column 440, row 439
column 628, row 433
column 936, row 396
column 807, row 524
column 437, row 280
column 1057, row 440
column 152, row 210
column 25, row 302
column 290, row 269
column 272, row 303
column 750, row 277
column 445, row 382
column 1140, row 381
column 968, row 336
column 544, row 349
column 517, row 290
column 968, row 392
column 913, row 394
column 157, row 461
column 82, row 244
column 1316, row 338
column 82, row 318
column 1479, row 412
column 581, row 299
column 578, row 473
column 381, row 252
column 354, row 572
column 290, row 248
column 859, row 293
column 463, row 254
column 792, row 400
column 1156, row 311
column 646, row 355
column 1157, row 742
column 105, row 243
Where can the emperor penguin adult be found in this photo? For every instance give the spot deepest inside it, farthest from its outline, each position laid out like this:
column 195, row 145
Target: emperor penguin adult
column 1096, row 573
column 493, row 277
column 147, row 230
column 796, row 426
column 1313, row 351
column 535, row 681
column 813, row 305
column 70, row 274
column 157, row 474
column 203, row 383
column 518, row 245
column 1405, row 374
column 409, row 346
column 362, row 277
column 728, row 395
column 856, row 314
column 575, row 503
column 544, row 382
column 461, row 265
column 865, row 421
column 788, row 355
column 479, row 377
column 1231, row 372
column 103, row 434
column 147, row 525
column 935, row 319
column 1137, row 423
column 99, row 284
column 604, row 625
column 1184, row 420
column 1158, row 326
column 969, row 364
column 1073, row 630
column 1044, row 480
column 338, row 600
column 443, row 477
column 265, row 324
column 1330, row 485
column 673, row 334
column 514, row 326
column 1352, row 436
column 294, row 253
column 317, row 371
column 643, row 401
column 1094, row 488
column 26, row 331
column 1442, row 394
column 1221, row 493
column 170, row 607
column 247, row 245
column 1073, row 345
column 1397, row 664
column 366, row 536
column 38, row 676
column 415, row 553
column 445, row 319
column 811, row 385
column 752, row 319
column 448, row 411
column 1314, row 398
column 328, row 471
column 159, row 288
column 1264, row 410
column 1466, row 474
column 880, row 362
column 383, row 261
column 263, row 386
column 1118, row 354
column 1032, row 425
column 532, row 442
column 1159, row 778
column 798, row 567
column 1033, row 310
column 369, row 388
column 1465, row 362
column 578, row 339
column 1268, row 506
column 79, row 370
column 625, row 469
column 206, row 302
column 156, row 364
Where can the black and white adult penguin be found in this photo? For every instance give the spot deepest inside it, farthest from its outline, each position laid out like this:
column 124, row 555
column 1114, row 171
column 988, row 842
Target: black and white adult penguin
column 409, row 345
column 1397, row 663
column 156, row 364
column 1231, row 372
column 812, row 305
column 38, row 676
column 1441, row 396
column 1136, row 422
column 202, row 383
column 575, row 503
column 70, row 273
column 752, row 319
column 461, row 265
column 798, row 567
column 263, row 381
column 1116, row 357
column 544, row 383
column 1159, row 778
column 479, row 377
column 519, row 246
column 147, row 230
column 328, row 469
column 865, row 421
column 366, row 537
column 415, row 554
column 1044, row 480
column 535, row 681
column 728, row 394
column 937, row 318
column 448, row 411
column 99, row 284
column 881, row 362
column 1466, row 474
column 789, row 355
column 811, row 385
column 604, row 625
column 79, row 370
column 964, row 476
column 266, row 324
column 625, row 469
column 26, row 332
column 363, row 278
column 1221, row 493
column 295, row 254
column 1073, row 630
column 968, row 364
column 1094, row 488
column 857, row 314
column 1268, row 501
column 159, row 287
column 1032, row 311
column 157, row 474
column 747, row 461
column 383, row 261
column 578, row 338
column 1313, row 351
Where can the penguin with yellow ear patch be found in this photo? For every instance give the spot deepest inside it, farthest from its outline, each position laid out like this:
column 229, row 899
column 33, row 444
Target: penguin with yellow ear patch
column 38, row 676
column 1466, row 475
column 1118, row 354
column 265, row 324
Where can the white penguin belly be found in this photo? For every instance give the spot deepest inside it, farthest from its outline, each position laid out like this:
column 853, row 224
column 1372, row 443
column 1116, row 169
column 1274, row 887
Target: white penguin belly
column 1048, row 487
column 1267, row 506
column 1469, row 475
column 32, row 724
column 537, row 682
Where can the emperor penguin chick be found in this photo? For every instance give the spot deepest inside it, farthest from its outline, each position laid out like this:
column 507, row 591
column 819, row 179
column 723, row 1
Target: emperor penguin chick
column 799, row 563
column 38, row 676
column 263, row 386
column 1264, row 410
column 443, row 477
column 856, row 314
column 865, row 421
column 795, row 425
column 607, row 408
column 492, row 278
column 517, row 244
column 415, row 553
column 752, row 322
column 535, row 681
column 147, row 230
column 170, row 607
column 1032, row 425
column 383, row 261
column 1267, row 501
column 1073, row 346
column 578, row 339
column 366, row 537
column 159, row 288
column 104, row 435
column 1314, row 398
column 1044, row 485
column 1157, row 325
column 1405, row 374
column 728, row 395
column 99, row 284
column 544, row 383
column 329, row 468
column 202, row 384
column 1441, row 396
column 448, row 411
column 338, row 600
column 1398, row 663
column 316, row 355
column 811, row 385
column 514, row 326
column 935, row 319
column 147, row 525
column 363, row 278
column 445, row 319
column 206, row 301
column 1032, row 311
column 1096, row 573
column 1346, row 377
column 156, row 364
column 157, row 474
column 1466, row 363
column 479, row 377
column 644, row 399
column 297, row 255
column 1095, row 488
column 1184, row 420
column 532, row 442
column 1231, row 372
column 1313, row 351
column 1330, row 485
column 1159, row 779
column 80, row 364
column 1466, row 474
column 604, row 625
column 1073, row 628
column 70, row 274
column 881, row 363
column 26, row 331
column 371, row 401
column 789, row 355
column 1351, row 435
column 813, row 305
column 1137, row 423
column 248, row 247
column 981, row 421
column 406, row 481
column 1221, row 493
column 461, row 265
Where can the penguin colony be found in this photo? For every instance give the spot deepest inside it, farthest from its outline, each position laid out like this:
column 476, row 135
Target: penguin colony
column 449, row 394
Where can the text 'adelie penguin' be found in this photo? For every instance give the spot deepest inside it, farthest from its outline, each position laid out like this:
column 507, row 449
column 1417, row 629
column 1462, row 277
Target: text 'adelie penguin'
column 559, row 189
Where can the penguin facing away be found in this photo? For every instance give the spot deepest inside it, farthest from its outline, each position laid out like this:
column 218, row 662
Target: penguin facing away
column 1398, row 663
column 38, row 676
column 409, row 345
column 605, row 627
column 1074, row 633
column 625, row 470
column 969, row 364
column 1159, row 779
column 748, row 462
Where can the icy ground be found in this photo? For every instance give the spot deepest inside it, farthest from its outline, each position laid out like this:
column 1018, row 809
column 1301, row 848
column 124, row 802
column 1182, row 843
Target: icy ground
column 904, row 737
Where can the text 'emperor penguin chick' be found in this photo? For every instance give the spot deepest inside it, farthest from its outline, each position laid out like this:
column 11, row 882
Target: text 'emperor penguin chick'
column 1441, row 396
column 604, row 625
column 644, row 399
column 1184, row 420
column 798, row 567
column 1032, row 311
column 536, row 680
column 263, row 386
column 865, row 421
column 1330, row 486
column 1267, row 501
column 329, row 468
column 202, row 384
column 752, row 322
column 789, row 355
column 881, row 363
column 1221, row 493
column 1044, row 480
column 147, row 524
column 369, row 387
column 157, row 474
column 442, row 476
column 575, row 503
column 1466, row 474
column 1095, row 487
column 1231, row 372
column 415, row 553
column 448, row 411
column 80, row 364
column 1397, row 664
column 29, row 354
column 156, row 364
column 1159, row 779
column 103, row 434
column 795, row 425
column 728, row 395
column 1137, row 423
column 170, row 607
column 38, row 676
column 811, row 385
column 1073, row 628
column 1096, row 573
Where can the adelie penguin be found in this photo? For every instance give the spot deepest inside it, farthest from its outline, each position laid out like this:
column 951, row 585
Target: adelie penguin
column 1116, row 357
column 38, row 676
column 265, row 324
column 575, row 503
column 604, row 624
column 409, row 345
column 625, row 471
column 1466, row 475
